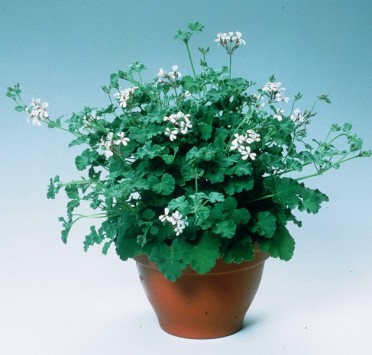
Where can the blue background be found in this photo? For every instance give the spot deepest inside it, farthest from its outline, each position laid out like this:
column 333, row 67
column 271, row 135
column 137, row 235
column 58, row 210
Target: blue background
column 56, row 299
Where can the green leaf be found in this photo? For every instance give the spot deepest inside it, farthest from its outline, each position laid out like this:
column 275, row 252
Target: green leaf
column 285, row 190
column 78, row 141
column 143, row 134
column 148, row 214
column 20, row 108
column 226, row 228
column 215, row 197
column 201, row 256
column 281, row 245
column 241, row 216
column 169, row 265
column 67, row 224
column 311, row 200
column 53, row 187
column 240, row 249
column 166, row 185
column 180, row 204
column 266, row 224
column 106, row 247
column 195, row 26
column 205, row 130
column 127, row 248
column 86, row 158
column 148, row 150
column 237, row 185
column 114, row 80
column 324, row 98
column 72, row 191
column 92, row 238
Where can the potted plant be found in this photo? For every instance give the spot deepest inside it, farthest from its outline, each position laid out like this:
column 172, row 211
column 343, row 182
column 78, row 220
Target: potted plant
column 195, row 176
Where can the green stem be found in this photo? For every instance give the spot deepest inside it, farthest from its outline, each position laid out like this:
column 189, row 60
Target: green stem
column 230, row 64
column 261, row 198
column 190, row 58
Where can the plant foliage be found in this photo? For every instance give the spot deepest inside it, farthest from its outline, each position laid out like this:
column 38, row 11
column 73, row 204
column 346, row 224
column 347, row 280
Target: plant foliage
column 190, row 168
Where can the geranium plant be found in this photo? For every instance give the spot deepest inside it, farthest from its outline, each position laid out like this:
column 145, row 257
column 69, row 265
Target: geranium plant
column 188, row 169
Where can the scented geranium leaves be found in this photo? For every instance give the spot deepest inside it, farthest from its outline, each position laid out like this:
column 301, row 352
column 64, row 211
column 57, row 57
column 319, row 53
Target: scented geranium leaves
column 85, row 159
column 311, row 200
column 168, row 263
column 164, row 186
column 285, row 190
column 265, row 224
column 190, row 167
column 281, row 245
column 201, row 256
column 239, row 249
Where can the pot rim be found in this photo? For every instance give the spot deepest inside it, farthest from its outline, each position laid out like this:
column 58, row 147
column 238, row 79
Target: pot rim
column 220, row 267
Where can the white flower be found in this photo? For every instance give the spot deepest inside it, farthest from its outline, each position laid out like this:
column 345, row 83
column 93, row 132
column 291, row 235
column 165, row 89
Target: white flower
column 161, row 74
column 181, row 124
column 171, row 118
column 239, row 38
column 174, row 74
column 279, row 97
column 36, row 112
column 276, row 91
column 133, row 199
column 230, row 40
column 221, row 38
column 252, row 136
column 88, row 118
column 241, row 141
column 176, row 217
column 165, row 217
column 108, row 153
column 106, row 144
column 171, row 133
column 237, row 142
column 272, row 87
column 122, row 139
column 279, row 114
column 180, row 227
column 246, row 153
column 297, row 116
column 123, row 96
column 35, row 102
column 176, row 220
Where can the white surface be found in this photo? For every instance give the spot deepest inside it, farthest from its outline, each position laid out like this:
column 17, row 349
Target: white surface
column 56, row 300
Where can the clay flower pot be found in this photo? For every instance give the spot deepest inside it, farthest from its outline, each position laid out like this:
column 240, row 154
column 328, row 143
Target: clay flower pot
column 205, row 306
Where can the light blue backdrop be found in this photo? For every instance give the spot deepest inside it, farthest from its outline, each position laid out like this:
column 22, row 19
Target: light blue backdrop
column 63, row 52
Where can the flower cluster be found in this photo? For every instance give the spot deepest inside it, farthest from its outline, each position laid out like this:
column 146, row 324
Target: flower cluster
column 123, row 96
column 88, row 119
column 230, row 41
column 181, row 124
column 297, row 117
column 37, row 112
column 173, row 75
column 175, row 219
column 242, row 144
column 275, row 91
column 107, row 143
column 279, row 114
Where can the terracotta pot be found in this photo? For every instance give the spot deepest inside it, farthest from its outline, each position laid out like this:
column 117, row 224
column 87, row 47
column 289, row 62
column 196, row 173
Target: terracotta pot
column 205, row 306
